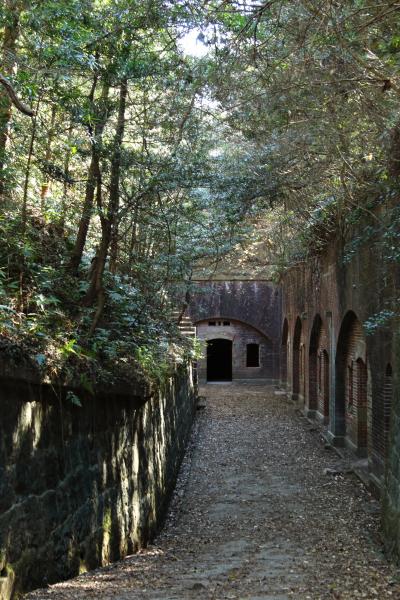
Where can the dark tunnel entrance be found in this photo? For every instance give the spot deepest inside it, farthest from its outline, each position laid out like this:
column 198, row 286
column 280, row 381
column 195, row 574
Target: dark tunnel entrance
column 219, row 360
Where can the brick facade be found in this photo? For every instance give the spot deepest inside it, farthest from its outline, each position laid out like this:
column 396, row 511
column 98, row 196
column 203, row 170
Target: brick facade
column 329, row 356
column 253, row 311
column 241, row 336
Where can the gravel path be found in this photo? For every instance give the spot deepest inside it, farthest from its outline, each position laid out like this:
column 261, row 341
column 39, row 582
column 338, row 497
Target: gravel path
column 255, row 516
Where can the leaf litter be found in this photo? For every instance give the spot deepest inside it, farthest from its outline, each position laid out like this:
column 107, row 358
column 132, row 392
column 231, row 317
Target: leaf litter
column 262, row 510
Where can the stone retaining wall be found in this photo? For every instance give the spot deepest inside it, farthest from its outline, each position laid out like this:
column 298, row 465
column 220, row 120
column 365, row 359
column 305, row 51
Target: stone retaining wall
column 83, row 486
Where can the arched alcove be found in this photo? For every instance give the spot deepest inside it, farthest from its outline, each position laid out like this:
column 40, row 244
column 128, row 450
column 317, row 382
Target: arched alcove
column 323, row 383
column 313, row 364
column 351, row 410
column 381, row 416
column 283, row 352
column 297, row 359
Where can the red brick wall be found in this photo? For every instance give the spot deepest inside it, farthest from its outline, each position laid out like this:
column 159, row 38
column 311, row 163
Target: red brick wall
column 387, row 408
column 351, row 361
column 241, row 334
column 317, row 398
column 318, row 375
column 381, row 417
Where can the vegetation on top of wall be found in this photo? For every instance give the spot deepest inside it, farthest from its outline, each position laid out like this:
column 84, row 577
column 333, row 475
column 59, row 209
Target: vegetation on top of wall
column 314, row 88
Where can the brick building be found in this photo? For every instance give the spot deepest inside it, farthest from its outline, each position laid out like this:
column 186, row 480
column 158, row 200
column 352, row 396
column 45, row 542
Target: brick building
column 326, row 356
column 239, row 323
column 311, row 334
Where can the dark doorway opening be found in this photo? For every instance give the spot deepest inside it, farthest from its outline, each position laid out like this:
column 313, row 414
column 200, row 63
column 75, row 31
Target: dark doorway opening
column 219, row 360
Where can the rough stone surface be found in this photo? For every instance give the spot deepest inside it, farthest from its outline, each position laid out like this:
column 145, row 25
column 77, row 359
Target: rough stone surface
column 83, row 486
column 255, row 516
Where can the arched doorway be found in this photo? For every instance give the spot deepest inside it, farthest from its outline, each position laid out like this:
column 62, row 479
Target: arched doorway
column 314, row 364
column 318, row 368
column 297, row 360
column 351, row 410
column 284, row 349
column 219, row 360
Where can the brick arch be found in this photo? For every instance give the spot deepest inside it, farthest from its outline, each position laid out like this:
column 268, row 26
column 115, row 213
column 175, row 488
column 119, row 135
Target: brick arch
column 284, row 351
column 233, row 320
column 351, row 417
column 242, row 335
column 297, row 360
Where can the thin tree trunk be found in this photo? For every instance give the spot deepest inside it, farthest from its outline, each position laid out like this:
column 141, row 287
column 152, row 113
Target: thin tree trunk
column 10, row 36
column 133, row 241
column 46, row 184
column 114, row 247
column 66, row 183
column 96, row 291
column 24, row 211
column 94, row 167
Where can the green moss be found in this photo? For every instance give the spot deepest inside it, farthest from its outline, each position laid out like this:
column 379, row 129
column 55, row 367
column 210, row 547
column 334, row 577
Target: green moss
column 107, row 521
column 82, row 567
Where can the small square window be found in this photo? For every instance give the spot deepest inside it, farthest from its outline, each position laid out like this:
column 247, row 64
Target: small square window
column 227, row 323
column 212, row 323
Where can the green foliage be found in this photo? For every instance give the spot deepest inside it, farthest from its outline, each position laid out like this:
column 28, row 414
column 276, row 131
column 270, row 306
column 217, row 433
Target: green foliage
column 290, row 125
column 73, row 398
column 378, row 321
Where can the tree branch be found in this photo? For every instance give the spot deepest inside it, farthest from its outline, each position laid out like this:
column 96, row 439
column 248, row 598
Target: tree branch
column 14, row 98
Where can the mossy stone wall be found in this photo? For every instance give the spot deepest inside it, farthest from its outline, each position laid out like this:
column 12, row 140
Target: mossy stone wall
column 83, row 486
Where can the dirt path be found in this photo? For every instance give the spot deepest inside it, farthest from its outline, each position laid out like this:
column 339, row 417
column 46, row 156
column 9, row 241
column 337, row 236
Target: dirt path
column 255, row 516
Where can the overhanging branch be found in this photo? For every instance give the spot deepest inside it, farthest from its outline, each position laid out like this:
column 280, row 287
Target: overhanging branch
column 14, row 98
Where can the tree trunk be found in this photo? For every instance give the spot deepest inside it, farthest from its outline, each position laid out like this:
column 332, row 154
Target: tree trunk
column 10, row 36
column 24, row 212
column 108, row 220
column 91, row 183
column 48, row 154
column 66, row 182
column 114, row 247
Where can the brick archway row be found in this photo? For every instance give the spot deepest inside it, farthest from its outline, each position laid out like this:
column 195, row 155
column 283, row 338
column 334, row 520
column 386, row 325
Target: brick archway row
column 329, row 376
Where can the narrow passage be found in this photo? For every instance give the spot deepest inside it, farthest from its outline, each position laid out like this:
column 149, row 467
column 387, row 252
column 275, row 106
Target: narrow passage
column 255, row 516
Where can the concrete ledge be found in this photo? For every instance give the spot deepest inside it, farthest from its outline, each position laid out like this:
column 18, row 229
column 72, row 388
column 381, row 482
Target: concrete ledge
column 321, row 418
column 309, row 413
column 375, row 485
column 359, row 452
column 338, row 441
